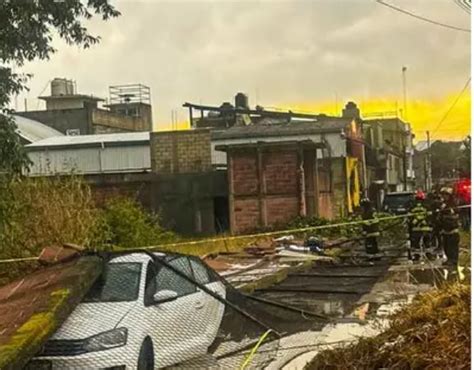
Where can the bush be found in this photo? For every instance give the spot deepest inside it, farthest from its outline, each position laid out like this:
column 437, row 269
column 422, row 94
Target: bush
column 130, row 226
column 40, row 212
column 37, row 212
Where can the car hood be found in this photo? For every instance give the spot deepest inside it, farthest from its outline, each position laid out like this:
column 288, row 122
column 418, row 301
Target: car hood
column 93, row 318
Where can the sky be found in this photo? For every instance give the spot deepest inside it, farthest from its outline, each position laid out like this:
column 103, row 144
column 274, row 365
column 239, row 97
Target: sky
column 308, row 55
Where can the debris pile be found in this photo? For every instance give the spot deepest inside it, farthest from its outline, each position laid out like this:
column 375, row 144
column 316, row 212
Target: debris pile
column 432, row 332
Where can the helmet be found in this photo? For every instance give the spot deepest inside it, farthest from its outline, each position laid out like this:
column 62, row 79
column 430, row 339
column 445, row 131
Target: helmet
column 420, row 195
column 446, row 190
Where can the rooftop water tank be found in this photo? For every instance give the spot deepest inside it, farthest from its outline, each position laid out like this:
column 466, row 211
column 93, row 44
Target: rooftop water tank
column 59, row 87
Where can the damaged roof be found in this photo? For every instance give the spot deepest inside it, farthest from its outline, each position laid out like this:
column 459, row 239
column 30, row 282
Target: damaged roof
column 323, row 125
column 32, row 308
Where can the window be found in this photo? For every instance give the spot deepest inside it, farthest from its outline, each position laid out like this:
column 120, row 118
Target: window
column 119, row 282
column 200, row 272
column 167, row 279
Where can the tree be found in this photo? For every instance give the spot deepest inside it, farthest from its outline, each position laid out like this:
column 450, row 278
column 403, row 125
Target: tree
column 465, row 158
column 26, row 33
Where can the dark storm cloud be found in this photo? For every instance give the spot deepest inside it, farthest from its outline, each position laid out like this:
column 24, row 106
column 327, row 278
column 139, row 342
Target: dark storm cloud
column 288, row 51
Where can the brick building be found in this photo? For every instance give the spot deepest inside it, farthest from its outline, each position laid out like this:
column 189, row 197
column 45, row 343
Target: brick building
column 272, row 183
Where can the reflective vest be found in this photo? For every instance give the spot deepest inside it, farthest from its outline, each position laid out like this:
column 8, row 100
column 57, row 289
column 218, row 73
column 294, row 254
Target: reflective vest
column 419, row 221
column 370, row 226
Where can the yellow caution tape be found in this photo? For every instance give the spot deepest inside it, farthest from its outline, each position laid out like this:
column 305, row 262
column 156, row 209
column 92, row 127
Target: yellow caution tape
column 251, row 236
column 254, row 349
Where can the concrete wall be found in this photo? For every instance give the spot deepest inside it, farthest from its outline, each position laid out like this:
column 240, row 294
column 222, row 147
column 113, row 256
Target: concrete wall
column 186, row 151
column 118, row 122
column 185, row 202
column 63, row 120
column 88, row 121
column 66, row 103
column 141, row 110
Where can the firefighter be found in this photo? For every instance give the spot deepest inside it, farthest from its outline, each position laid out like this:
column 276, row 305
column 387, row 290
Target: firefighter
column 370, row 227
column 418, row 228
column 435, row 201
column 450, row 227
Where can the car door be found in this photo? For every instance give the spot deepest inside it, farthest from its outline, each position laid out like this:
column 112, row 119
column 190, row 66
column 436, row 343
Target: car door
column 174, row 325
column 214, row 309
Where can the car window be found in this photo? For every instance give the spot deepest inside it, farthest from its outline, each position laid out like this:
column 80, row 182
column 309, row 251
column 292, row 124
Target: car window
column 166, row 279
column 397, row 200
column 119, row 282
column 200, row 271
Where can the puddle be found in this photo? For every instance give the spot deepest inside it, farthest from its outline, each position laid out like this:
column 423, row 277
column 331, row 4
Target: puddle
column 310, row 343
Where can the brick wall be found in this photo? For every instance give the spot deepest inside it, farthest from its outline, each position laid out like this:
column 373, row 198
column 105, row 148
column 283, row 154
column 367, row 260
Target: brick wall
column 267, row 199
column 244, row 174
column 280, row 169
column 246, row 215
column 186, row 151
column 281, row 210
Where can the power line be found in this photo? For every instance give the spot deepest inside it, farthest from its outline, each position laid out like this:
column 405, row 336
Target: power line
column 452, row 106
column 423, row 18
column 464, row 5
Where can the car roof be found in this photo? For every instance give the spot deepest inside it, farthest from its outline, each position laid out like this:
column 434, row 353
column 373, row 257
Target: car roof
column 400, row 193
column 134, row 257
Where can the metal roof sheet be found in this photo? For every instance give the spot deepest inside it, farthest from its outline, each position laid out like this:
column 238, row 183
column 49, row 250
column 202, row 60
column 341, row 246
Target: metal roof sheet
column 87, row 140
column 34, row 131
column 331, row 124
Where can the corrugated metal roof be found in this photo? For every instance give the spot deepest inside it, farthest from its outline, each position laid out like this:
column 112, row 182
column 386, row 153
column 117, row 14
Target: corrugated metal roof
column 34, row 131
column 331, row 124
column 90, row 140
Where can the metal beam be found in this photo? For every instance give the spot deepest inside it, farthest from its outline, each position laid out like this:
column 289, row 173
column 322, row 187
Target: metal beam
column 265, row 113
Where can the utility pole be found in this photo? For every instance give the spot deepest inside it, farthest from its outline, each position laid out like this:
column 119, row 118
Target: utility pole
column 429, row 182
column 404, row 159
column 404, row 81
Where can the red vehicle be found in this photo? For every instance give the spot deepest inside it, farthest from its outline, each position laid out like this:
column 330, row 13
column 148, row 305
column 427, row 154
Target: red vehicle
column 462, row 191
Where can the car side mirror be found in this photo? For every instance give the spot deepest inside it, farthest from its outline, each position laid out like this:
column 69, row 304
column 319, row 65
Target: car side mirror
column 165, row 296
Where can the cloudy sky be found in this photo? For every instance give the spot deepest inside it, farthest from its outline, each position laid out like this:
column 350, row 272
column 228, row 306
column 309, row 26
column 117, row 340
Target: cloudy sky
column 308, row 55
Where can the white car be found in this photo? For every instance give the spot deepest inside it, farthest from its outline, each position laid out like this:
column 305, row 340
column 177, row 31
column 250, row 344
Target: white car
column 138, row 315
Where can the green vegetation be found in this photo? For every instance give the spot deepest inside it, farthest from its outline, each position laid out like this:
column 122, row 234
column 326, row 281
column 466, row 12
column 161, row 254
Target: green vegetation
column 128, row 225
column 40, row 212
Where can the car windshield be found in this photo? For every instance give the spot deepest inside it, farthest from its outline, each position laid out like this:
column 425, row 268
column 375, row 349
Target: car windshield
column 399, row 200
column 120, row 282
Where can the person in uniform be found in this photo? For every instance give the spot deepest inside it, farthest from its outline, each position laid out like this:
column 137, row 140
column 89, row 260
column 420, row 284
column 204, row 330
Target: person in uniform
column 418, row 228
column 435, row 201
column 370, row 227
column 450, row 227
